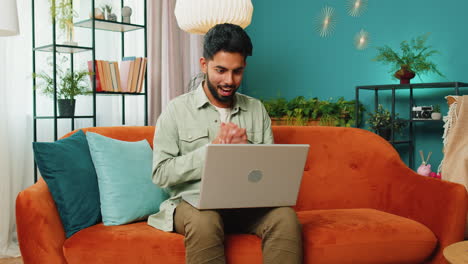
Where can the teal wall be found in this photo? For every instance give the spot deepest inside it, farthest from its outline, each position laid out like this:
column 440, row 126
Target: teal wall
column 291, row 59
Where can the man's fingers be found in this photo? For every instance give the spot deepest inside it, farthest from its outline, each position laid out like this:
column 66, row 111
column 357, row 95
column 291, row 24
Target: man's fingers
column 230, row 133
column 239, row 136
column 240, row 140
column 222, row 133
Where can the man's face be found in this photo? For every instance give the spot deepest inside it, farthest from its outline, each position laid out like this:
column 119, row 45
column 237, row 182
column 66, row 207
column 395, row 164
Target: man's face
column 224, row 76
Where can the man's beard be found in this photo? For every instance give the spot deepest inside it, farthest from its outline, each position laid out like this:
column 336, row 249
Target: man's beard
column 216, row 95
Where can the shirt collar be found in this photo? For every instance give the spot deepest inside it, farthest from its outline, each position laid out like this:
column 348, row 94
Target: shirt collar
column 201, row 99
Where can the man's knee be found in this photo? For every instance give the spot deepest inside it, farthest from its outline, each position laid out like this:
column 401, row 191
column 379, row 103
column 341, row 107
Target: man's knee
column 283, row 220
column 205, row 225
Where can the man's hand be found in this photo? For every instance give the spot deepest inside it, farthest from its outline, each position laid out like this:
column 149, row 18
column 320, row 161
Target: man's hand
column 230, row 133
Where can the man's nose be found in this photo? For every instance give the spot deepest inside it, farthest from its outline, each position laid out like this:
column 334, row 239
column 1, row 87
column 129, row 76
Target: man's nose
column 229, row 78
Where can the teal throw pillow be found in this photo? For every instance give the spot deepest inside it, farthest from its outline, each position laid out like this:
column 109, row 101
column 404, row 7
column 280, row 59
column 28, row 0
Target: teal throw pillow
column 124, row 171
column 68, row 170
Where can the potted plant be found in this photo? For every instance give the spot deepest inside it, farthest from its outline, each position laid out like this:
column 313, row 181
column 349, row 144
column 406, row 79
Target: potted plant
column 300, row 111
column 413, row 60
column 62, row 12
column 107, row 9
column 381, row 122
column 69, row 85
column 436, row 115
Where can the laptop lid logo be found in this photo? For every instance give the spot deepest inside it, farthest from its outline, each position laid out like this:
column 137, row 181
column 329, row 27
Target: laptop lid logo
column 255, row 176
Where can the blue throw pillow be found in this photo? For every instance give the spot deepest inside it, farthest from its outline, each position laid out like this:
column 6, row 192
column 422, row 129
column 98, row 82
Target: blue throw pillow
column 124, row 171
column 68, row 170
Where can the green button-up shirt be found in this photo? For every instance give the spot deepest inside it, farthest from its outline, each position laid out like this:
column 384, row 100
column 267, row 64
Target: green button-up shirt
column 183, row 130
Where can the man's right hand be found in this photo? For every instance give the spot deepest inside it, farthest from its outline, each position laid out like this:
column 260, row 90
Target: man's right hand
column 230, row 133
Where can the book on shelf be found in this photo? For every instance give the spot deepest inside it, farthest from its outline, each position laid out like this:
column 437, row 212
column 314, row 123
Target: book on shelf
column 102, row 76
column 136, row 69
column 141, row 75
column 117, row 75
column 125, row 68
column 113, row 77
column 127, row 76
column 96, row 72
column 108, row 76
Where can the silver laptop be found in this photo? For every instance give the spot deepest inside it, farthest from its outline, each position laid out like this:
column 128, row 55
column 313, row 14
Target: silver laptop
column 248, row 175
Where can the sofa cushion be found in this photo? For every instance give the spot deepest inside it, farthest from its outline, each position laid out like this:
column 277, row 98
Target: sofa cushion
column 124, row 171
column 330, row 236
column 141, row 243
column 68, row 170
column 364, row 236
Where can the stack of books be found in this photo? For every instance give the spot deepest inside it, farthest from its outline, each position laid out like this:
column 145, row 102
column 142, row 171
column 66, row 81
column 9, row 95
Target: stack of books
column 126, row 76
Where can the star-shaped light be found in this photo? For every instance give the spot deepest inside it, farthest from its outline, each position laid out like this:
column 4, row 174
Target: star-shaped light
column 361, row 39
column 326, row 21
column 357, row 7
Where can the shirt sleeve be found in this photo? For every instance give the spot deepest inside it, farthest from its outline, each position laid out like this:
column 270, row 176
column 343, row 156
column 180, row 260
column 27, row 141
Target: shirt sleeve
column 267, row 131
column 169, row 167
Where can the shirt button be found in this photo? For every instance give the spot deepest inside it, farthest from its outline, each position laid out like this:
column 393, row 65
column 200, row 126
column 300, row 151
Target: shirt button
column 190, row 137
column 216, row 121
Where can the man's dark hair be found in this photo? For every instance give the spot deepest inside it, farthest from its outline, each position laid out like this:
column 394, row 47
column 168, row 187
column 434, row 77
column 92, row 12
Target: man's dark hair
column 228, row 38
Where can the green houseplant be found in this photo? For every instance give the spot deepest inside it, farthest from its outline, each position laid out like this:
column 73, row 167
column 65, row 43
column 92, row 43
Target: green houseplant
column 436, row 114
column 69, row 85
column 413, row 60
column 381, row 122
column 300, row 111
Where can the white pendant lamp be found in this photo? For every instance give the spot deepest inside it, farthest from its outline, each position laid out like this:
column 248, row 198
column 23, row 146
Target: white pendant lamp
column 198, row 16
column 8, row 18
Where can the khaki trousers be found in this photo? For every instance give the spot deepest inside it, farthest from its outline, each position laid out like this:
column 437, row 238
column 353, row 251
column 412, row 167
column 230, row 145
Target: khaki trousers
column 204, row 231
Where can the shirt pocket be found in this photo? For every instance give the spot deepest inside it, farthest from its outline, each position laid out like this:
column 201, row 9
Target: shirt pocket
column 192, row 139
column 255, row 137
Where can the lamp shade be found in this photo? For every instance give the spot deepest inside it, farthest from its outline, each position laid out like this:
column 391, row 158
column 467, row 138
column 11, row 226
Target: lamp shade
column 8, row 18
column 198, row 16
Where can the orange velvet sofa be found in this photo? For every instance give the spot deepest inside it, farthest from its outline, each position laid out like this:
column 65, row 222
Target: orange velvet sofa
column 358, row 203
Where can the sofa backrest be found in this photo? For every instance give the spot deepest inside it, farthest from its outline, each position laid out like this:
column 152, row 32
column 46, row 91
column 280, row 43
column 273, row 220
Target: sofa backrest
column 343, row 167
column 125, row 133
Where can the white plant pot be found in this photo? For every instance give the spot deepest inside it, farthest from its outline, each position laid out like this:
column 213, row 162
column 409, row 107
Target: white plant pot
column 436, row 116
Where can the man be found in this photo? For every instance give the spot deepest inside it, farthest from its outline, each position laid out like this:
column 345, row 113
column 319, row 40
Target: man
column 215, row 113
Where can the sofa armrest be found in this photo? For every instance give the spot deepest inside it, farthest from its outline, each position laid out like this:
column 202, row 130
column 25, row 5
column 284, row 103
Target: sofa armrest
column 440, row 205
column 40, row 230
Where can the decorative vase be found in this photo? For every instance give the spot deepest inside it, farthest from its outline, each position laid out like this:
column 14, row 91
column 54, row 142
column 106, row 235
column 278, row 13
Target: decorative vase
column 66, row 107
column 70, row 35
column 436, row 116
column 97, row 14
column 112, row 17
column 405, row 74
column 126, row 13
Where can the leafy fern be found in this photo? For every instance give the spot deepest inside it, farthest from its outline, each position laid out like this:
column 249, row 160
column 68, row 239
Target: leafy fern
column 414, row 55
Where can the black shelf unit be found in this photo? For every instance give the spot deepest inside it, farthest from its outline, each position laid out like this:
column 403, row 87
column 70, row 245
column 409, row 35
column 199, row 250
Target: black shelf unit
column 456, row 86
column 93, row 25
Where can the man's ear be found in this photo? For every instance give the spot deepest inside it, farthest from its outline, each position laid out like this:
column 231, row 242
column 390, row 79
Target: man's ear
column 204, row 65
